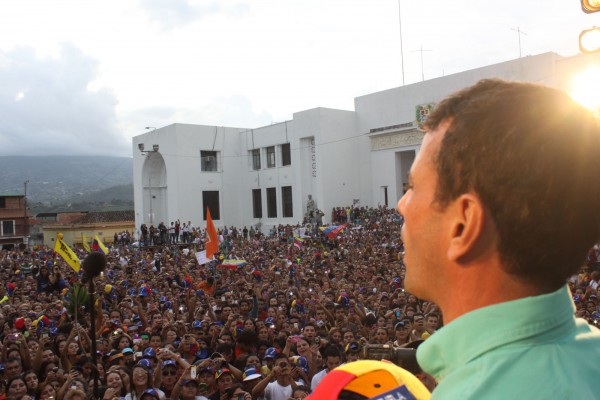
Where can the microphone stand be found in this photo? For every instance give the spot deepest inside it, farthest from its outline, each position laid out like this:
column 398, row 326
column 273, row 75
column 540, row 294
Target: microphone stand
column 93, row 265
column 92, row 291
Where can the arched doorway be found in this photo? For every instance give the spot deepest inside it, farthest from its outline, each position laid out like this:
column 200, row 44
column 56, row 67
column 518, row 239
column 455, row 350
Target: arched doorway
column 154, row 182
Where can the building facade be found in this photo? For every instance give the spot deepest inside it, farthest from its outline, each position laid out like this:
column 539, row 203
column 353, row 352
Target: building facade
column 264, row 176
column 13, row 221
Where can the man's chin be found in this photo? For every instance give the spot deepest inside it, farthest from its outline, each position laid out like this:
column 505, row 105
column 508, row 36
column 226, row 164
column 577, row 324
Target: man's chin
column 414, row 286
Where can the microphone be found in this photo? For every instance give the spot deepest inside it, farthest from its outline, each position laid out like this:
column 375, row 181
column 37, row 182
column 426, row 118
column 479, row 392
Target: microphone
column 92, row 265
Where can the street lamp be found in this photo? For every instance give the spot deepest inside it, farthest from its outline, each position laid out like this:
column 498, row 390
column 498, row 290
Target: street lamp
column 590, row 6
column 589, row 40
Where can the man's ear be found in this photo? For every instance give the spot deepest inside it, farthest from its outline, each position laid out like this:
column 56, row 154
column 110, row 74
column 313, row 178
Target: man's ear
column 467, row 226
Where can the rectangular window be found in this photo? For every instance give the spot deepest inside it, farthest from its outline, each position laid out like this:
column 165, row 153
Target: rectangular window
column 8, row 228
column 271, row 157
column 256, row 159
column 286, row 155
column 271, row 203
column 210, row 199
column 286, row 201
column 2, row 202
column 208, row 161
column 257, row 203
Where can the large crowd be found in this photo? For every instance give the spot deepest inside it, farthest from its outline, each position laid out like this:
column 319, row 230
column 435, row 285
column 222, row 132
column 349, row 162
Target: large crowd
column 269, row 326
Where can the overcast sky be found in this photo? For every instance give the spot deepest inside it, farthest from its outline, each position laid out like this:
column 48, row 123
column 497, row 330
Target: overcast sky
column 83, row 77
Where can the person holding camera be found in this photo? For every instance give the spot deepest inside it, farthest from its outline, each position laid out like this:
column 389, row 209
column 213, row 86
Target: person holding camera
column 278, row 384
column 237, row 392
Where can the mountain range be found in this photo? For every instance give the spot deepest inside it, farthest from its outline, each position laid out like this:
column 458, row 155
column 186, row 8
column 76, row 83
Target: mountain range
column 69, row 183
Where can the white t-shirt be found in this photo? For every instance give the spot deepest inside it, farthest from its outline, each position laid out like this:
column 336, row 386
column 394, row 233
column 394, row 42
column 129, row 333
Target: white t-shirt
column 274, row 391
column 317, row 379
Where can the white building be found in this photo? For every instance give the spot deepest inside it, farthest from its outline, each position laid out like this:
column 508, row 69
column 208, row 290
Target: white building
column 264, row 175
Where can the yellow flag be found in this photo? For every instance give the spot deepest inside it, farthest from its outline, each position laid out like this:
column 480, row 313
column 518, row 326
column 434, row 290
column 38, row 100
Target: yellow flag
column 66, row 253
column 86, row 246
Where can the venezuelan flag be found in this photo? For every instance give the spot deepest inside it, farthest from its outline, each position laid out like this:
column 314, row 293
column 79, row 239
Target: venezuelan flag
column 298, row 241
column 97, row 245
column 233, row 264
column 332, row 231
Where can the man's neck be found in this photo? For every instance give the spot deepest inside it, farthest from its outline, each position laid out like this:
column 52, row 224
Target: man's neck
column 473, row 293
column 284, row 380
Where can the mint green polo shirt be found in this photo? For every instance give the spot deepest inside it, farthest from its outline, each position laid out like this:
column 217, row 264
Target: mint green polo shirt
column 531, row 348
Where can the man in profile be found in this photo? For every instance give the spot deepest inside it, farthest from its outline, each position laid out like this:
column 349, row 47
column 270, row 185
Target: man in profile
column 503, row 206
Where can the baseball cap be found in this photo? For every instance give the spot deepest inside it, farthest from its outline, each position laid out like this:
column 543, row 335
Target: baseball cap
column 144, row 363
column 220, row 372
column 270, row 353
column 168, row 363
column 206, row 369
column 250, row 374
column 149, row 353
column 352, row 347
column 114, row 355
column 151, row 392
column 370, row 379
column 399, row 325
column 301, row 362
column 127, row 350
column 197, row 324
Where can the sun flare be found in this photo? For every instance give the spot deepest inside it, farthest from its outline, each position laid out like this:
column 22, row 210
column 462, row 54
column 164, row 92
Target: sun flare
column 585, row 88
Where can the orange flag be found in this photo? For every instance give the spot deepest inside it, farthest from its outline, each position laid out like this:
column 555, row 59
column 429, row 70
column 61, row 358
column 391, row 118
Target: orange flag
column 212, row 240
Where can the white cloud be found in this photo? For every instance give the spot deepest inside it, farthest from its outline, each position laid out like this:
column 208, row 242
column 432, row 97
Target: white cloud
column 56, row 113
column 171, row 14
column 234, row 111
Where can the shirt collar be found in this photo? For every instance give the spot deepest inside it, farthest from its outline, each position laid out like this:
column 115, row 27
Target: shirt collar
column 484, row 329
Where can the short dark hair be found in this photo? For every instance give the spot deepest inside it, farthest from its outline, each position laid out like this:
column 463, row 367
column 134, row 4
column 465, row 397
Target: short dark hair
column 532, row 155
column 310, row 324
column 244, row 301
column 332, row 351
column 433, row 315
column 233, row 388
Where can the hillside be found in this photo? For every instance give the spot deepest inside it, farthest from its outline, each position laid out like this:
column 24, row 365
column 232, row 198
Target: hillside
column 58, row 183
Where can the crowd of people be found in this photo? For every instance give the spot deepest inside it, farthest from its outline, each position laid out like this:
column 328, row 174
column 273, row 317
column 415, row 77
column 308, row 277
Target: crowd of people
column 269, row 327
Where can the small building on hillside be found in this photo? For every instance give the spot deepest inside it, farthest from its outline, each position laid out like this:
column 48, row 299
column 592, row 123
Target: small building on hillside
column 13, row 221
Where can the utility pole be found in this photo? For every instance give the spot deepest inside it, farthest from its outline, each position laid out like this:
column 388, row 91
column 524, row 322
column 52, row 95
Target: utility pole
column 25, row 220
column 519, row 32
column 421, row 51
column 401, row 49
